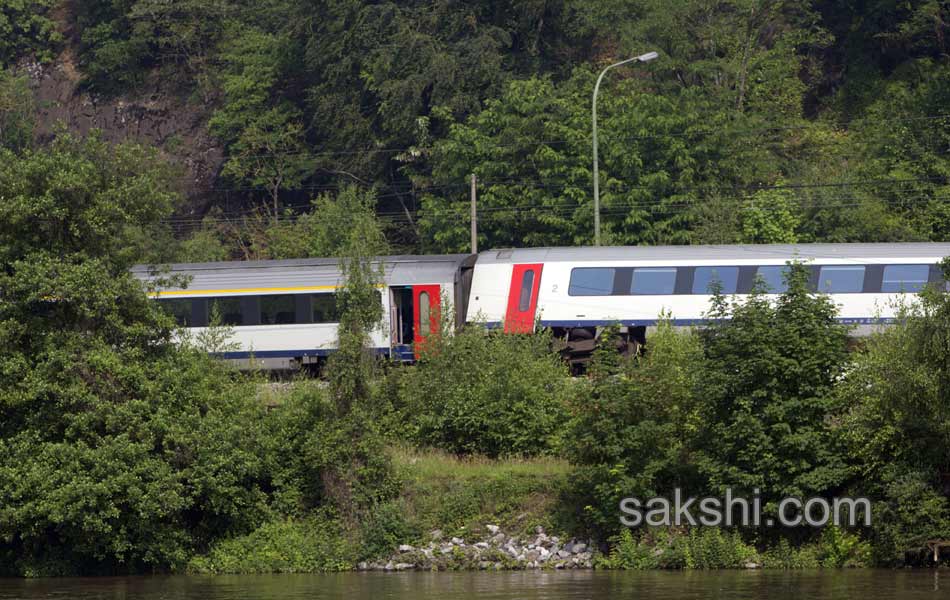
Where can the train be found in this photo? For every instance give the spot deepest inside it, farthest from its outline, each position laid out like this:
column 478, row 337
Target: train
column 284, row 314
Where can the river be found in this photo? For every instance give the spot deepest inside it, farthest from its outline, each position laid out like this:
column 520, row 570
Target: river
column 532, row 585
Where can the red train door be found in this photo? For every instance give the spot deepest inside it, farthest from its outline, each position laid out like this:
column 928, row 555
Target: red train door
column 426, row 302
column 523, row 298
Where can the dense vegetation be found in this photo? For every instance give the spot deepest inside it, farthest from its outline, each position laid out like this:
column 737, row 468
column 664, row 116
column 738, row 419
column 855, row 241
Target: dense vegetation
column 762, row 120
column 125, row 448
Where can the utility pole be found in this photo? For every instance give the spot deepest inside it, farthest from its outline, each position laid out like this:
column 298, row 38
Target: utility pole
column 642, row 58
column 474, row 218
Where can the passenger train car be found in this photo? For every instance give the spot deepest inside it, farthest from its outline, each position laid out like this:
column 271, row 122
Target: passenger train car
column 284, row 312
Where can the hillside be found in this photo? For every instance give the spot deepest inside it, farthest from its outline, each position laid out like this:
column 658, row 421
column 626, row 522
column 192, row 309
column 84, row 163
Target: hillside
column 761, row 121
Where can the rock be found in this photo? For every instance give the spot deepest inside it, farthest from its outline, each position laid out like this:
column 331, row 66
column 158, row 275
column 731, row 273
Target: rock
column 751, row 565
column 363, row 566
column 458, row 541
column 484, row 564
column 403, row 566
column 544, row 553
column 492, row 529
column 539, row 530
column 569, row 547
column 482, row 545
column 436, row 534
column 389, row 566
column 532, row 556
column 555, row 539
column 579, row 548
column 498, row 539
column 563, row 554
column 405, row 548
column 446, row 549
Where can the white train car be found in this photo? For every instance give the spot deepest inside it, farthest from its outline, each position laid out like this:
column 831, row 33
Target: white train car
column 283, row 312
column 577, row 291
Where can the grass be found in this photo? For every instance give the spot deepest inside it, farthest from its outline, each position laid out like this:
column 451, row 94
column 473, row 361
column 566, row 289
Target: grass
column 459, row 496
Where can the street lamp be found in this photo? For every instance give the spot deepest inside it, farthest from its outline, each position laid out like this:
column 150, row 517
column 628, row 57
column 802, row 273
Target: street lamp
column 642, row 58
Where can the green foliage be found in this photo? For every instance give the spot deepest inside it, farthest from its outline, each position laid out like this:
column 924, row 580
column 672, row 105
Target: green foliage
column 633, row 424
column 784, row 556
column 315, row 544
column 769, row 376
column 713, row 548
column 264, row 133
column 26, row 26
column 120, row 450
column 838, row 548
column 460, row 494
column 385, row 529
column 17, row 118
column 770, row 218
column 896, row 422
column 489, row 393
column 701, row 548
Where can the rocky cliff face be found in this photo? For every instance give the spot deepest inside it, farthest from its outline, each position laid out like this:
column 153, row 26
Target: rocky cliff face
column 153, row 116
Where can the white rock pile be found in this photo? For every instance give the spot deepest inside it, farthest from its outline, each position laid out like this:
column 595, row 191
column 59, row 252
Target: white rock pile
column 498, row 552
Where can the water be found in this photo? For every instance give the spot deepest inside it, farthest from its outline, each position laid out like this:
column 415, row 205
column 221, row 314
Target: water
column 776, row 585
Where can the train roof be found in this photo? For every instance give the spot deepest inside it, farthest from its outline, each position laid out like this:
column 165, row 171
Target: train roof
column 260, row 276
column 748, row 253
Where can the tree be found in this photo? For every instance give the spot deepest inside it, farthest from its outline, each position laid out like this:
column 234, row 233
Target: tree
column 264, row 134
column 769, row 377
column 26, row 26
column 895, row 418
column 120, row 450
column 633, row 434
column 16, row 112
column 342, row 452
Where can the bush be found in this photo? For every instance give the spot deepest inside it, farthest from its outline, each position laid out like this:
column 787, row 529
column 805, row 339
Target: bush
column 784, row 556
column 385, row 529
column 487, row 393
column 632, row 425
column 713, row 548
column 316, row 544
column 662, row 548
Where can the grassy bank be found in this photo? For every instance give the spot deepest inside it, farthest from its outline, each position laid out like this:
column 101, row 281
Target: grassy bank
column 440, row 493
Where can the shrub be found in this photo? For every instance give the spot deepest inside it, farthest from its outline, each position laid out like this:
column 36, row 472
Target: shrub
column 631, row 426
column 487, row 393
column 384, row 529
column 713, row 548
column 784, row 556
column 318, row 543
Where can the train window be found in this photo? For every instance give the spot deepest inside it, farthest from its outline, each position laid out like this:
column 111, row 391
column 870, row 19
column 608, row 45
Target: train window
column 278, row 310
column 324, row 308
column 905, row 278
column 179, row 308
column 226, row 310
column 773, row 277
column 703, row 277
column 527, row 286
column 653, row 280
column 591, row 281
column 425, row 314
column 841, row 280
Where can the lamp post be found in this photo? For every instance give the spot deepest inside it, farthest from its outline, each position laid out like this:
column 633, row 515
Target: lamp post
column 642, row 58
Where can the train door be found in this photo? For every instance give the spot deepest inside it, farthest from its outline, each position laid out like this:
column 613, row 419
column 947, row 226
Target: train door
column 523, row 298
column 426, row 302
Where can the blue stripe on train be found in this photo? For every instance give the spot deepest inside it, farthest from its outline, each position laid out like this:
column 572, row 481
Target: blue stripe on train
column 676, row 322
column 398, row 352
column 406, row 353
